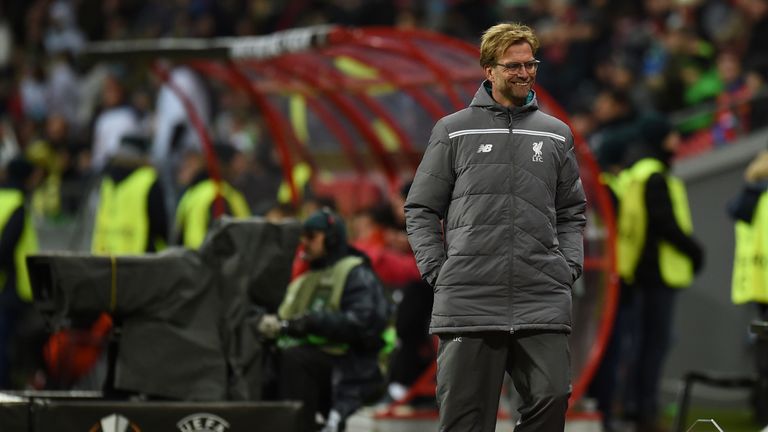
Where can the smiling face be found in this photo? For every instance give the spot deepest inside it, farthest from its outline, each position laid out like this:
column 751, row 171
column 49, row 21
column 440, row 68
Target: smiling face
column 512, row 88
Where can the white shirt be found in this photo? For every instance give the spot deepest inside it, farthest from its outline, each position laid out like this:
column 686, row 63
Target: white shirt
column 109, row 128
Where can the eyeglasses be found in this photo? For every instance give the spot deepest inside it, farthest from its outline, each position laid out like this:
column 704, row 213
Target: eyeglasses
column 530, row 66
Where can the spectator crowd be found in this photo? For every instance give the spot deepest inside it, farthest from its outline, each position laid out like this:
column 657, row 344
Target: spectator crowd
column 702, row 63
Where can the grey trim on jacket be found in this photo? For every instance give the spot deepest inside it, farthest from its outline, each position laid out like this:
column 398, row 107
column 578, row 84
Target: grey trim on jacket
column 495, row 216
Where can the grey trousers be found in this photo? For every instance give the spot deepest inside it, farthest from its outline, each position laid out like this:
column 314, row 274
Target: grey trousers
column 470, row 372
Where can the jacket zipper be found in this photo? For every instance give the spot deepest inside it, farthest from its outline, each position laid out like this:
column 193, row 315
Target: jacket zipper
column 512, row 221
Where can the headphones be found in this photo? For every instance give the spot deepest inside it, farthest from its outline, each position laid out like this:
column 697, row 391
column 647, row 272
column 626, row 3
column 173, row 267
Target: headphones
column 331, row 232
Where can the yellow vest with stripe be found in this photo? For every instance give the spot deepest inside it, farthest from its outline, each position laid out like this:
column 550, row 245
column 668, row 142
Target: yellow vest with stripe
column 316, row 291
column 675, row 267
column 193, row 212
column 122, row 220
column 749, row 281
column 10, row 200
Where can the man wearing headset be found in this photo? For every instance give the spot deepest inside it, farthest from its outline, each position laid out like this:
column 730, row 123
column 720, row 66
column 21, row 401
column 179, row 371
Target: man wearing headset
column 329, row 327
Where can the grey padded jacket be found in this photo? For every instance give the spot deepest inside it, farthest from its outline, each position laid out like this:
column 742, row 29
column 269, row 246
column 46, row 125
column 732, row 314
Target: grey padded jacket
column 495, row 217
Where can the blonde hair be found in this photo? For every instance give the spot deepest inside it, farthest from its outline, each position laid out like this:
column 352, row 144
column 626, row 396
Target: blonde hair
column 757, row 170
column 498, row 38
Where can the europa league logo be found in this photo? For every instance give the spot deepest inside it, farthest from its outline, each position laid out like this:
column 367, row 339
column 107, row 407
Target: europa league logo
column 115, row 423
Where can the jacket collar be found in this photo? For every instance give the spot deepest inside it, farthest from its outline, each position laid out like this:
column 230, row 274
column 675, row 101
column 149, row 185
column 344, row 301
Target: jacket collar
column 483, row 99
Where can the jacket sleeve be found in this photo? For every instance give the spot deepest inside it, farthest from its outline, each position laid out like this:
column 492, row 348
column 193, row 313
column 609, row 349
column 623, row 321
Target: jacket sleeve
column 743, row 206
column 158, row 216
column 10, row 238
column 661, row 217
column 427, row 204
column 363, row 315
column 570, row 205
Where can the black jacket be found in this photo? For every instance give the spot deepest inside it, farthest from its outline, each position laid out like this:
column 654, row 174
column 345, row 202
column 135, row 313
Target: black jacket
column 364, row 310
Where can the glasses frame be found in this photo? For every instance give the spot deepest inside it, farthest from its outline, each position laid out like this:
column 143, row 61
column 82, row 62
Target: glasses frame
column 530, row 66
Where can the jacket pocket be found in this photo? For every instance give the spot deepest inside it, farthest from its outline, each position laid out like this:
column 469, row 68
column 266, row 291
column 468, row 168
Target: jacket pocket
column 439, row 274
column 560, row 269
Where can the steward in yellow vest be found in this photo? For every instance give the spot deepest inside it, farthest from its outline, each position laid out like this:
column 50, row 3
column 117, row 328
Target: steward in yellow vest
column 655, row 243
column 655, row 227
column 750, row 214
column 197, row 207
column 329, row 327
column 750, row 265
column 17, row 240
column 131, row 216
column 656, row 255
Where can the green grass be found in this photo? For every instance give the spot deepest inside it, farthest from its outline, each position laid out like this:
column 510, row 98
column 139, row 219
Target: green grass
column 729, row 420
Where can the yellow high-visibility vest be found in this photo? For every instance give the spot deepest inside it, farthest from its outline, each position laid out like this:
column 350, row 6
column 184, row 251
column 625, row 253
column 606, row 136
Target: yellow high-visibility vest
column 315, row 291
column 10, row 201
column 193, row 211
column 122, row 220
column 676, row 268
column 749, row 281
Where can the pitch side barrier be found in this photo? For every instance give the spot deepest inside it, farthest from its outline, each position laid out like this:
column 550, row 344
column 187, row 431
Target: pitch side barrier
column 35, row 411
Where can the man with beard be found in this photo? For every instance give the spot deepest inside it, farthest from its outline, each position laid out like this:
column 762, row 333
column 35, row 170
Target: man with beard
column 495, row 217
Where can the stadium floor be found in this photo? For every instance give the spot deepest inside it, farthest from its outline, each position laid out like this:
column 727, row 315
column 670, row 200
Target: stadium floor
column 366, row 420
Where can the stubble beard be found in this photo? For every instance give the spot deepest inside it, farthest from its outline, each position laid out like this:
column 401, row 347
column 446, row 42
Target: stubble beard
column 517, row 93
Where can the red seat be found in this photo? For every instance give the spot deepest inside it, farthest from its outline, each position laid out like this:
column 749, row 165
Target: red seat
column 351, row 194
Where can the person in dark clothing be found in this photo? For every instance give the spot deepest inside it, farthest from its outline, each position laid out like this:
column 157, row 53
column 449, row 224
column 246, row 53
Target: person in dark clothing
column 495, row 217
column 329, row 328
column 17, row 240
column 657, row 256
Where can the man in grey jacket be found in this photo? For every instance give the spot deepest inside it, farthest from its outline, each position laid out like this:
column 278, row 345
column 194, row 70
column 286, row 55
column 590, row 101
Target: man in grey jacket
column 495, row 217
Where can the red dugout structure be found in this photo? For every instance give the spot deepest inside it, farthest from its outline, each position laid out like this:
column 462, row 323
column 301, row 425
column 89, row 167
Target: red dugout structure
column 361, row 102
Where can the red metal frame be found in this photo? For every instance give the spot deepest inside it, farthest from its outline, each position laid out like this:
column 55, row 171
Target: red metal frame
column 234, row 77
column 308, row 74
column 406, row 45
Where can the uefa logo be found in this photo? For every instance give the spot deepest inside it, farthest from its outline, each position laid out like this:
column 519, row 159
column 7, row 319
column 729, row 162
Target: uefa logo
column 202, row 422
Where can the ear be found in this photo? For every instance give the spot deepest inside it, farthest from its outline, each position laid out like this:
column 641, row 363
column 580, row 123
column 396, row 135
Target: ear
column 488, row 72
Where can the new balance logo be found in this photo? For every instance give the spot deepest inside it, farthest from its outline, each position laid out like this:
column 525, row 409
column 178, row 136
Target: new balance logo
column 537, row 151
column 485, row 148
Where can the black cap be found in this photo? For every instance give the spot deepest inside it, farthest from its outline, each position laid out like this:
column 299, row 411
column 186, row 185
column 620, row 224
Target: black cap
column 329, row 223
column 19, row 169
